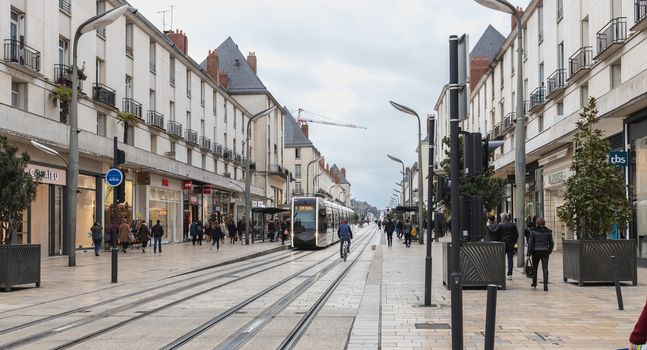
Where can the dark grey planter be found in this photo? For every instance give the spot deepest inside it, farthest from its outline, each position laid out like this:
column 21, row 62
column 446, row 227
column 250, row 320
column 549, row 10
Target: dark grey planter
column 19, row 264
column 482, row 263
column 590, row 261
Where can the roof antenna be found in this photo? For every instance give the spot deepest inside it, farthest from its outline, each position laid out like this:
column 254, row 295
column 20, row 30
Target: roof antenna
column 172, row 7
column 163, row 12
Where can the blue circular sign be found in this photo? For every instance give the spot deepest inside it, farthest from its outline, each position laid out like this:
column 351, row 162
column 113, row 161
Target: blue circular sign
column 114, row 177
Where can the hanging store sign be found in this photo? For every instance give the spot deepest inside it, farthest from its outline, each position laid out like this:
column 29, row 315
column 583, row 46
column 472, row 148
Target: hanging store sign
column 618, row 158
column 193, row 199
column 188, row 185
column 165, row 182
column 206, row 189
column 47, row 175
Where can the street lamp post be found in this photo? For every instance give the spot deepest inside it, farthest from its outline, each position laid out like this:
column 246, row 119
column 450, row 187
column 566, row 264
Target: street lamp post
column 520, row 129
column 248, row 176
column 308, row 173
column 313, row 182
column 403, row 173
column 431, row 124
column 48, row 150
column 72, row 182
column 410, row 111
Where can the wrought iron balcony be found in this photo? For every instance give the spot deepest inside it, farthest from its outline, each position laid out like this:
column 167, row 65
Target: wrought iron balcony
column 556, row 83
column 129, row 51
column 537, row 98
column 640, row 15
column 174, row 128
column 152, row 67
column 101, row 32
column 64, row 5
column 104, row 94
column 526, row 107
column 508, row 121
column 238, row 159
column 498, row 130
column 205, row 142
column 228, row 154
column 155, row 119
column 217, row 149
column 611, row 37
column 63, row 76
column 580, row 63
column 15, row 52
column 191, row 136
column 131, row 106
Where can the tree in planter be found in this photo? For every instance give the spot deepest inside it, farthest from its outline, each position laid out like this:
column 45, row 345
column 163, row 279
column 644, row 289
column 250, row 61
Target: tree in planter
column 127, row 120
column 595, row 196
column 489, row 188
column 17, row 188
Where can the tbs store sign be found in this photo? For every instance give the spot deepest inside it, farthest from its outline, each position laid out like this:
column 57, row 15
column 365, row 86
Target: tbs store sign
column 619, row 158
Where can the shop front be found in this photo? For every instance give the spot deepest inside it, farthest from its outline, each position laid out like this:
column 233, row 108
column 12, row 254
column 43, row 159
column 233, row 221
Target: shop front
column 165, row 204
column 636, row 130
column 556, row 169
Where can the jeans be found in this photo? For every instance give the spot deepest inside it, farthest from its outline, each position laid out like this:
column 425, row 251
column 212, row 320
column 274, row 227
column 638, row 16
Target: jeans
column 157, row 240
column 543, row 257
column 97, row 245
column 509, row 252
column 215, row 241
column 389, row 238
column 341, row 246
column 407, row 240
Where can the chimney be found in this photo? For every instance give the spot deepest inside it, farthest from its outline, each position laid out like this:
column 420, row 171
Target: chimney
column 304, row 128
column 321, row 163
column 343, row 171
column 213, row 65
column 251, row 60
column 478, row 67
column 327, row 168
column 223, row 80
column 180, row 40
column 513, row 20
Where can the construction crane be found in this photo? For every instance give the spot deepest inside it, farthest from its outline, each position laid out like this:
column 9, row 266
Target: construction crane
column 301, row 120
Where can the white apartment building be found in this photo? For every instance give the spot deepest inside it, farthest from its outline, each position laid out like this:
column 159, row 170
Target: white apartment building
column 184, row 155
column 571, row 50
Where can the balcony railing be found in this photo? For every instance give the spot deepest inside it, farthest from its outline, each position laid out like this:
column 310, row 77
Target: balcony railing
column 63, row 76
column 104, row 94
column 155, row 119
column 152, row 67
column 556, row 81
column 64, row 5
column 191, row 136
column 508, row 121
column 22, row 54
column 101, row 32
column 498, row 130
column 131, row 106
column 537, row 97
column 217, row 149
column 238, row 159
column 640, row 11
column 205, row 142
column 129, row 51
column 581, row 60
column 227, row 154
column 526, row 107
column 614, row 32
column 174, row 128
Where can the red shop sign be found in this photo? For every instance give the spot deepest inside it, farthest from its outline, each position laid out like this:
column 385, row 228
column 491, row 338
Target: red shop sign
column 188, row 185
column 193, row 199
column 206, row 189
column 165, row 182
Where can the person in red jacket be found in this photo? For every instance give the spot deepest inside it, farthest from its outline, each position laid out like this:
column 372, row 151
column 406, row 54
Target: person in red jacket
column 639, row 334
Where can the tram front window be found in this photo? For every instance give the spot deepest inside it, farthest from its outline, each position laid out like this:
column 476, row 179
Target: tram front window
column 304, row 217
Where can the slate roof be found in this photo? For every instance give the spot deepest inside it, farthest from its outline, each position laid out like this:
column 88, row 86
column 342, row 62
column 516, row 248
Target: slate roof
column 342, row 179
column 293, row 135
column 242, row 78
column 489, row 44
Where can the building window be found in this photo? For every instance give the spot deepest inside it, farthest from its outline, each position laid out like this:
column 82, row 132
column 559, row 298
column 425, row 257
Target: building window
column 616, row 77
column 189, row 156
column 501, row 74
column 129, row 40
column 171, row 111
column 63, row 51
column 204, row 161
column 560, row 108
column 152, row 66
column 297, row 187
column 214, row 97
column 101, row 8
column 540, row 123
column 235, row 111
column 153, row 143
column 188, row 83
column 101, row 124
column 297, row 171
column 524, row 43
column 129, row 86
column 297, row 152
column 215, row 166
column 242, row 122
column 584, row 95
column 560, row 10
column 15, row 95
column 188, row 120
column 64, row 6
column 202, row 92
column 171, row 77
column 512, row 56
column 540, row 23
column 225, row 106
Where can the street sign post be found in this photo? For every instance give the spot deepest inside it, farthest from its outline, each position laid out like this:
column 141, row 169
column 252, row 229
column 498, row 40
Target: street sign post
column 114, row 177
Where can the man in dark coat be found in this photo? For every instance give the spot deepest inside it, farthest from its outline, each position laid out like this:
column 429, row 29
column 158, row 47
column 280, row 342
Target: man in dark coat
column 509, row 235
column 540, row 246
column 389, row 227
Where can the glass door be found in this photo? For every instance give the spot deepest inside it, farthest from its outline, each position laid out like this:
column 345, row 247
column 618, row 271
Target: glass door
column 640, row 193
column 56, row 220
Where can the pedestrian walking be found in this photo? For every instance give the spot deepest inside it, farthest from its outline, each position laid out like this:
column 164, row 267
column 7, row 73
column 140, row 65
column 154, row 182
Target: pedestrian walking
column 639, row 334
column 241, row 228
column 144, row 235
column 398, row 228
column 231, row 227
column 199, row 229
column 492, row 232
column 271, row 230
column 216, row 232
column 97, row 237
column 124, row 235
column 286, row 230
column 193, row 231
column 539, row 248
column 223, row 231
column 406, row 230
column 379, row 225
column 158, row 232
column 509, row 235
column 389, row 227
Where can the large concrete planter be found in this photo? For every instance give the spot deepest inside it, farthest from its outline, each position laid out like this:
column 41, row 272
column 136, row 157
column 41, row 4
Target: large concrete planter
column 590, row 261
column 19, row 264
column 482, row 263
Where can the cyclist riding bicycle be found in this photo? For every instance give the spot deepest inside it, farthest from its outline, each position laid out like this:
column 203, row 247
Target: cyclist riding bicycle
column 345, row 235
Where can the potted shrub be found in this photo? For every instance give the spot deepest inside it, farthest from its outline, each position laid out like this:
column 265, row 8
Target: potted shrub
column 20, row 262
column 594, row 200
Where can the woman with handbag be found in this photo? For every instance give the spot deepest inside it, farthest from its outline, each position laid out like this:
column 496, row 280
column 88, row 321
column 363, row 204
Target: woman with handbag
column 540, row 246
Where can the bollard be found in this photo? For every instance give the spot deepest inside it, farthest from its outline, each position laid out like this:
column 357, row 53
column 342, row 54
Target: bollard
column 115, row 253
column 490, row 316
column 616, row 281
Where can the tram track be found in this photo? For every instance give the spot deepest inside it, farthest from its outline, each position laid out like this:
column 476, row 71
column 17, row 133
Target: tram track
column 245, row 333
column 156, row 297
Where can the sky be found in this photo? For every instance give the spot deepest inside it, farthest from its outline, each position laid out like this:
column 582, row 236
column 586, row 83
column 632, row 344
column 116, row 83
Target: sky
column 344, row 60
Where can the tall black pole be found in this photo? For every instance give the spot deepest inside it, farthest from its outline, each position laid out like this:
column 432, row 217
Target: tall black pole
column 115, row 225
column 431, row 124
column 456, row 284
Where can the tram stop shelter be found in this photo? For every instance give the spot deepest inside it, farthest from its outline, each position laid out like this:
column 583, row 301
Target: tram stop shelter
column 261, row 216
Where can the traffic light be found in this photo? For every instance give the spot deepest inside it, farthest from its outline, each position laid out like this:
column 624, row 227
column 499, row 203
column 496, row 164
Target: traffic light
column 476, row 153
column 442, row 188
column 120, row 157
column 488, row 147
column 120, row 192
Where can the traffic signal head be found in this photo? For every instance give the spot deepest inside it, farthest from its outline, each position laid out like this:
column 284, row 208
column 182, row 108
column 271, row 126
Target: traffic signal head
column 121, row 157
column 476, row 153
column 488, row 148
column 120, row 192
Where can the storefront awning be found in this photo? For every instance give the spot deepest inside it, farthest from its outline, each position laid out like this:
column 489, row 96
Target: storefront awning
column 269, row 210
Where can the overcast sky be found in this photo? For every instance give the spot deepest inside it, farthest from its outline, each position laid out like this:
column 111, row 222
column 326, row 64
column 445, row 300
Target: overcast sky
column 344, row 60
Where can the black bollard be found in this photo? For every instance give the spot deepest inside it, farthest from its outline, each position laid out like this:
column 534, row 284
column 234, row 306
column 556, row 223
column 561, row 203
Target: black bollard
column 490, row 317
column 616, row 281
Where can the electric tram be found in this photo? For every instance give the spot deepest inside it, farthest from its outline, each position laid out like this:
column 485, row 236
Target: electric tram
column 314, row 221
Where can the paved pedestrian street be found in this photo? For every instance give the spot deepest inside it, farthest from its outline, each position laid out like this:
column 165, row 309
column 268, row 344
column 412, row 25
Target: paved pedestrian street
column 376, row 304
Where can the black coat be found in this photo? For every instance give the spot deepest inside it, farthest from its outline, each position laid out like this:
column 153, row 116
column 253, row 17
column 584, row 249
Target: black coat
column 541, row 240
column 492, row 233
column 508, row 233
